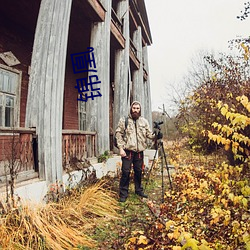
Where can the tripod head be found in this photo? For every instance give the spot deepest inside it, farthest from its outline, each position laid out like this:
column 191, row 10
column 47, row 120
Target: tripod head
column 157, row 125
column 158, row 134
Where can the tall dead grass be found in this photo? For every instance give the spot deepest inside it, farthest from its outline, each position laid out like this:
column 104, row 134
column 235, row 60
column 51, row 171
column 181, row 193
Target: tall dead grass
column 62, row 225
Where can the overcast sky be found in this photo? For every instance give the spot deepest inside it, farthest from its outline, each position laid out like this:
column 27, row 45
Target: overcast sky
column 181, row 28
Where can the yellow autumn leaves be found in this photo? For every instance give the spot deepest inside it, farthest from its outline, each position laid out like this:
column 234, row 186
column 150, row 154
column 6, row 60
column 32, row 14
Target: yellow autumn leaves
column 230, row 134
column 246, row 52
column 138, row 239
column 207, row 209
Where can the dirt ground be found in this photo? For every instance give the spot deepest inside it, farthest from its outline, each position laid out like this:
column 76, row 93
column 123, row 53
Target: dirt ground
column 137, row 213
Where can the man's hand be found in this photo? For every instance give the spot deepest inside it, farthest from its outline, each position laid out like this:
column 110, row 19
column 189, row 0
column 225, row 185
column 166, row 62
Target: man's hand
column 122, row 152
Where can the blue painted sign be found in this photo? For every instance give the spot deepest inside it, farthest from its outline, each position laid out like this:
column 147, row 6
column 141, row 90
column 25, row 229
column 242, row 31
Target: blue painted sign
column 85, row 62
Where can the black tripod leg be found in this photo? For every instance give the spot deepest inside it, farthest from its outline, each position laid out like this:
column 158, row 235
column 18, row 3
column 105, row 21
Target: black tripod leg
column 165, row 158
column 162, row 179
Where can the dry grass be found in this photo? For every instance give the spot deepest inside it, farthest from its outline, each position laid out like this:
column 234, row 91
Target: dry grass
column 62, row 225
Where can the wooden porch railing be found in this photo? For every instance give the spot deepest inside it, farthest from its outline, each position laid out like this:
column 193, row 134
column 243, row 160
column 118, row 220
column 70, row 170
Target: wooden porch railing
column 17, row 150
column 78, row 145
column 116, row 20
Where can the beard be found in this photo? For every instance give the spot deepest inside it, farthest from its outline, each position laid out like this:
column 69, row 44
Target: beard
column 135, row 115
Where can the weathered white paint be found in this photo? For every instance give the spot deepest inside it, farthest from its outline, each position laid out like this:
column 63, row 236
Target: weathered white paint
column 35, row 191
column 98, row 109
column 122, row 74
column 9, row 58
column 109, row 168
column 138, row 74
column 45, row 95
column 148, row 107
column 150, row 153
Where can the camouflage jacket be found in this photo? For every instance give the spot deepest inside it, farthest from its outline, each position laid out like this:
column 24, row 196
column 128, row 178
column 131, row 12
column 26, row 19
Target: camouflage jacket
column 136, row 134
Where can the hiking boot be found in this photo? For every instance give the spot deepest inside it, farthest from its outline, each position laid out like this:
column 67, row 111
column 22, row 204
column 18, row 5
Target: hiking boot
column 142, row 195
column 122, row 199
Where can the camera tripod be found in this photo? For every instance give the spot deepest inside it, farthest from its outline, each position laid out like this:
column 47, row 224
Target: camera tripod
column 159, row 148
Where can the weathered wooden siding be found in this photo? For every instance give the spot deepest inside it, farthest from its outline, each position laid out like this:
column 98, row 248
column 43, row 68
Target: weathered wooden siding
column 78, row 41
column 98, row 109
column 17, row 152
column 77, row 145
column 131, row 77
column 122, row 75
column 17, row 149
column 45, row 97
column 48, row 99
column 147, row 104
column 138, row 74
column 70, row 105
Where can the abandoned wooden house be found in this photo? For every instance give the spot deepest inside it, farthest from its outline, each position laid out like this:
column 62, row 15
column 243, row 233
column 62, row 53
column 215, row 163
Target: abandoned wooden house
column 43, row 125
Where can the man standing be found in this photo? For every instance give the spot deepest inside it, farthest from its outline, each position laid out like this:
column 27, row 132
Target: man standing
column 132, row 141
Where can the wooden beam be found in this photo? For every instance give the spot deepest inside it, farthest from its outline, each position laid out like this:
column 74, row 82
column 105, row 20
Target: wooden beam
column 77, row 132
column 144, row 30
column 17, row 130
column 134, row 59
column 98, row 8
column 143, row 12
column 144, row 43
column 133, row 19
column 117, row 34
column 92, row 9
column 116, row 19
column 139, row 20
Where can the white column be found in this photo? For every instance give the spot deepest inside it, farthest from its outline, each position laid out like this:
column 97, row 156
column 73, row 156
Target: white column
column 122, row 76
column 148, row 107
column 138, row 74
column 45, row 95
column 98, row 109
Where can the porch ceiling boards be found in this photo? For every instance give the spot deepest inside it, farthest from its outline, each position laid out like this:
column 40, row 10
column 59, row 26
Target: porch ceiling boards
column 20, row 12
column 92, row 9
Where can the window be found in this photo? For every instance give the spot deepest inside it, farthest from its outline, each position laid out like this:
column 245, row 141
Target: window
column 9, row 97
column 82, row 115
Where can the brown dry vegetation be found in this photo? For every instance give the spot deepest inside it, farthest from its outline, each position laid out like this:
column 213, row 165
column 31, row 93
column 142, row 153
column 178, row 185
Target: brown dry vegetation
column 195, row 213
column 62, row 225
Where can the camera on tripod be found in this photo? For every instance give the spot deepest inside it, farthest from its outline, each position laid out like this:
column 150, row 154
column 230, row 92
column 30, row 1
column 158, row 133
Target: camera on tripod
column 159, row 148
column 157, row 131
column 157, row 125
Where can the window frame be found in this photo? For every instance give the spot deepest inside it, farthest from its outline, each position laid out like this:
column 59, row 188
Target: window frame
column 80, row 111
column 17, row 96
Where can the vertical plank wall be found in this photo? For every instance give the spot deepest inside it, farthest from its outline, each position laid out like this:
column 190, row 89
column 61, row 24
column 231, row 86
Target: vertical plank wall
column 45, row 95
column 98, row 109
